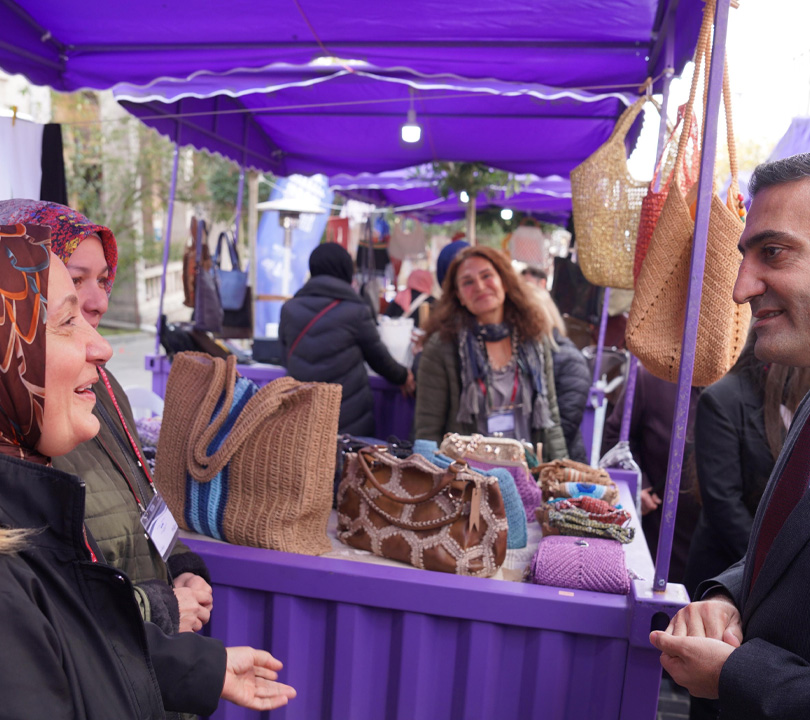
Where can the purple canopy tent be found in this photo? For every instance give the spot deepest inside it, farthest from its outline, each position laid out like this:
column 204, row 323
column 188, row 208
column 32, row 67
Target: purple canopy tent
column 74, row 44
column 307, row 119
column 415, row 191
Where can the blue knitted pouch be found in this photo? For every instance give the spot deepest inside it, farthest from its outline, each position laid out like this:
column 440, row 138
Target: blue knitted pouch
column 517, row 534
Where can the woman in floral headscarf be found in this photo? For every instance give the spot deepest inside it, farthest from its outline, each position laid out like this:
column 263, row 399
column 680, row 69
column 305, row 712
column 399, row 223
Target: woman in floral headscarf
column 118, row 488
column 73, row 642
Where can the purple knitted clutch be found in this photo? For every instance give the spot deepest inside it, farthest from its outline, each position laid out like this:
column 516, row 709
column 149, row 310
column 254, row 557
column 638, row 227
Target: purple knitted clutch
column 581, row 564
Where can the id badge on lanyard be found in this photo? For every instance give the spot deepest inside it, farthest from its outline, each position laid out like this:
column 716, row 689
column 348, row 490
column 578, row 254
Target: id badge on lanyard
column 501, row 422
column 160, row 525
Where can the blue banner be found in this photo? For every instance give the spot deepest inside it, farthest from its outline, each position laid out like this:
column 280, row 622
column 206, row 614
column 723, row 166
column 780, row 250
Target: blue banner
column 281, row 270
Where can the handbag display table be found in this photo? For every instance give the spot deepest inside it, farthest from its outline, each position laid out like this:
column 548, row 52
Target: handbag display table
column 393, row 413
column 371, row 640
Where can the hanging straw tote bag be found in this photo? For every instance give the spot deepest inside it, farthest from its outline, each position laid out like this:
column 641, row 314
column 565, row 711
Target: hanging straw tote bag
column 251, row 466
column 655, row 326
column 607, row 205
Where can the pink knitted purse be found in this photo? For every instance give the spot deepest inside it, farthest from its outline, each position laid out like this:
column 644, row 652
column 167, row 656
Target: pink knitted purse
column 581, row 564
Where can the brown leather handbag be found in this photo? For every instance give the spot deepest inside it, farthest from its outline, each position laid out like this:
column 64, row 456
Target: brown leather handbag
column 410, row 510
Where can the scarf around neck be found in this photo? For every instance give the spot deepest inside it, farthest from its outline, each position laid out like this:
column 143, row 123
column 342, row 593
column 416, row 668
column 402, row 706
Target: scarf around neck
column 475, row 367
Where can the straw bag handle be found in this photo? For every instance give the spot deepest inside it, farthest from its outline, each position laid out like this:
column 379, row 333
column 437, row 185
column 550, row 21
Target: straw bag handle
column 627, row 118
column 204, row 467
column 703, row 63
column 700, row 53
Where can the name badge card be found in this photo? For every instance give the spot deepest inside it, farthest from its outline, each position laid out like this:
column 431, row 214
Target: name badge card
column 501, row 422
column 160, row 526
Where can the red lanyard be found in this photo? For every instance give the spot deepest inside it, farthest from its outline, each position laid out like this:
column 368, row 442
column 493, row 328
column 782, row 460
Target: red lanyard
column 514, row 387
column 132, row 442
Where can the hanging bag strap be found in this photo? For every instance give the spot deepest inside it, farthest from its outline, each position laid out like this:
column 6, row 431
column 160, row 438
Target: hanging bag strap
column 416, row 304
column 307, row 327
column 232, row 251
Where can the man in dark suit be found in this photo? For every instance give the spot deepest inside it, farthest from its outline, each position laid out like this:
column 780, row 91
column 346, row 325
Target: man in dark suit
column 746, row 641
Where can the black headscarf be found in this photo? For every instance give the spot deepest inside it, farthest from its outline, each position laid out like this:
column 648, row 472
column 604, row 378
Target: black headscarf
column 331, row 259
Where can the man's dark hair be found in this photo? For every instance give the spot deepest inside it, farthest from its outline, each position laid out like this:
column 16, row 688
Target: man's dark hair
column 779, row 172
column 535, row 272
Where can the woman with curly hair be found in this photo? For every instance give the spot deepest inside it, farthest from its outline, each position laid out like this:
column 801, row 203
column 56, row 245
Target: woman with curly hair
column 487, row 366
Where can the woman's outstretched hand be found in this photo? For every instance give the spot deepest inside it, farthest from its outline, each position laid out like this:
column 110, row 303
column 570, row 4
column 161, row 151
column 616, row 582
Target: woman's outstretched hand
column 251, row 680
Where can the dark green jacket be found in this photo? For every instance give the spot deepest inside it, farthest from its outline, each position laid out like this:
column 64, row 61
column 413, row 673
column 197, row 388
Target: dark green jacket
column 113, row 517
column 438, row 390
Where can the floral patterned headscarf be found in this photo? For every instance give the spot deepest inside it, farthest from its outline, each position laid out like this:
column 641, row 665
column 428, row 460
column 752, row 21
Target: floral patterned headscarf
column 68, row 229
column 24, row 269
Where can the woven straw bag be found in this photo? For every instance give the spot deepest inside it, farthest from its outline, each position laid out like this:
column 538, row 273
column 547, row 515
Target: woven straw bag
column 251, row 466
column 654, row 200
column 655, row 326
column 607, row 205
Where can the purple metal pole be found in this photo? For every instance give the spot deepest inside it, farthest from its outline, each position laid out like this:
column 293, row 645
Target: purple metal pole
column 167, row 241
column 597, row 363
column 239, row 198
column 629, row 395
column 705, row 189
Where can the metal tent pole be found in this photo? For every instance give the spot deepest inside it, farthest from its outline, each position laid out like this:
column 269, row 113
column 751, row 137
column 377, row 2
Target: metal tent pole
column 167, row 241
column 632, row 373
column 705, row 190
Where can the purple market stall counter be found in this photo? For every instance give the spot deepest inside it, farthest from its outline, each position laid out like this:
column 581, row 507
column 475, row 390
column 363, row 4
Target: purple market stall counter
column 365, row 641
column 393, row 413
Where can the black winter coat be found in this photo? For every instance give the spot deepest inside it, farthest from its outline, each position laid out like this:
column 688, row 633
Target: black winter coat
column 572, row 379
column 734, row 463
column 336, row 348
column 73, row 644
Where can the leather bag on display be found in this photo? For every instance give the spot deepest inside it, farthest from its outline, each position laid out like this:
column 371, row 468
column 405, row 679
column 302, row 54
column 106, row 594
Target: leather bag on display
column 451, row 520
column 237, row 297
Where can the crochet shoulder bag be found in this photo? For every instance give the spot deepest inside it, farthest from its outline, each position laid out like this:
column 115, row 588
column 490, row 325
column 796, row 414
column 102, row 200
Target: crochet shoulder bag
column 251, row 466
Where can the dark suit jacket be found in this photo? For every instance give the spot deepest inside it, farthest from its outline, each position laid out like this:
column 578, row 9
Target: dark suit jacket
column 733, row 465
column 768, row 676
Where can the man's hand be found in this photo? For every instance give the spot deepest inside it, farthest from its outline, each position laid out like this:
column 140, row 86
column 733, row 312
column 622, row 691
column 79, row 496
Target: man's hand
column 195, row 600
column 250, row 680
column 693, row 662
column 408, row 388
column 716, row 618
column 649, row 501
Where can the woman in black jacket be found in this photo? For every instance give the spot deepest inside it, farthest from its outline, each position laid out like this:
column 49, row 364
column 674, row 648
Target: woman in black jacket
column 328, row 335
column 72, row 638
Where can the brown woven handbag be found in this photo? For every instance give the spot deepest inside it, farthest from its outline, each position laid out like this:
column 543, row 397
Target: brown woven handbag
column 655, row 326
column 251, row 466
column 410, row 510
column 607, row 204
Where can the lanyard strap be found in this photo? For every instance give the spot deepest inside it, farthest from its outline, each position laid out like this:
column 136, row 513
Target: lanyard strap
column 141, row 462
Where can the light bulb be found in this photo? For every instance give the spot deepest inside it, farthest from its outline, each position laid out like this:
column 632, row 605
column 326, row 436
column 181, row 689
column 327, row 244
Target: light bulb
column 506, row 214
column 411, row 131
column 463, row 196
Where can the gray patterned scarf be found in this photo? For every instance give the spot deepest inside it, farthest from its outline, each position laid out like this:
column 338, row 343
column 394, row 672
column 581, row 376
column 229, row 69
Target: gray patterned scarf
column 475, row 366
